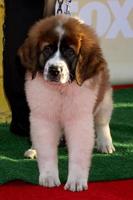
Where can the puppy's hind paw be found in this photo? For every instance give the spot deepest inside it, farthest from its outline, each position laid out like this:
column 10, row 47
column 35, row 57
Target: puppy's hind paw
column 30, row 153
column 105, row 147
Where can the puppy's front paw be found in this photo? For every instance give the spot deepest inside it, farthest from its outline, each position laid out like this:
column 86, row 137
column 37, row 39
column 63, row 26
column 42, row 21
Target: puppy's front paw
column 104, row 146
column 49, row 179
column 76, row 184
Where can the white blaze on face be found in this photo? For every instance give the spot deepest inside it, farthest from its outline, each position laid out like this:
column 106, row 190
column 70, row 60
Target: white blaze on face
column 57, row 60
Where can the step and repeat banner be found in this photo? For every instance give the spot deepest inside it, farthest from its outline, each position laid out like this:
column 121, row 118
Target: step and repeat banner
column 113, row 22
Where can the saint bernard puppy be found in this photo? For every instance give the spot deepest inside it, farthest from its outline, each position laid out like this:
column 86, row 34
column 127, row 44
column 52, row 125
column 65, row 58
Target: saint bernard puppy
column 67, row 88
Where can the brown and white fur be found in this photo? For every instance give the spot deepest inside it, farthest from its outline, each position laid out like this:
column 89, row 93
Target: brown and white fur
column 81, row 105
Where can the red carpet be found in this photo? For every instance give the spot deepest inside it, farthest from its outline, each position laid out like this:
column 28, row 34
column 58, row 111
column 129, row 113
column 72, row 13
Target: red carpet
column 122, row 86
column 115, row 190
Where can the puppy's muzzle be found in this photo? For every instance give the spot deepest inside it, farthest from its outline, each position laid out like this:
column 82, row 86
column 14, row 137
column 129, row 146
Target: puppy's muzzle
column 54, row 73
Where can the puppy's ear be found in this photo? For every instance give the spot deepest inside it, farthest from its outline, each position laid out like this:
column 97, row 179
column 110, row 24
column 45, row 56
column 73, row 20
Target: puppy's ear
column 90, row 60
column 28, row 54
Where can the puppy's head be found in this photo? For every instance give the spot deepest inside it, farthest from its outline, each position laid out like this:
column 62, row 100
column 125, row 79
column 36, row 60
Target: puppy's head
column 61, row 49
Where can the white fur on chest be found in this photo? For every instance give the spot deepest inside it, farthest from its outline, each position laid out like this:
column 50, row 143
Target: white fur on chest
column 59, row 102
column 56, row 107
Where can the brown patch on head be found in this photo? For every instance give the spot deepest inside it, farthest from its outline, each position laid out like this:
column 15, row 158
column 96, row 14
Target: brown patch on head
column 91, row 60
column 73, row 35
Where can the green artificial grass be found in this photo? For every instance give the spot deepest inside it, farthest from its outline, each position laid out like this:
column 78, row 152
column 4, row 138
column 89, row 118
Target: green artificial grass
column 119, row 165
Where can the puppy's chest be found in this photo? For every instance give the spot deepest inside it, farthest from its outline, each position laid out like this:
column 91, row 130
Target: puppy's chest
column 59, row 102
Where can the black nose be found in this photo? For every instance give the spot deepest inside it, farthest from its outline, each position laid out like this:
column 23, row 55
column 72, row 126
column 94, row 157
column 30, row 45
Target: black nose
column 54, row 70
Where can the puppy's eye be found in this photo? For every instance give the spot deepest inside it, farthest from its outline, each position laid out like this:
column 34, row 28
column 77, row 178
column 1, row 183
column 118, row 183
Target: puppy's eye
column 69, row 52
column 45, row 54
column 48, row 50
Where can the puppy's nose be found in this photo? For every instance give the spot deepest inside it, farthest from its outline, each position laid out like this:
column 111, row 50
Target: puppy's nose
column 54, row 70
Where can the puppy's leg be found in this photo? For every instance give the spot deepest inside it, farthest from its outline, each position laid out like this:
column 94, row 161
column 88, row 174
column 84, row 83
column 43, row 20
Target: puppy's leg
column 102, row 118
column 45, row 137
column 80, row 141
